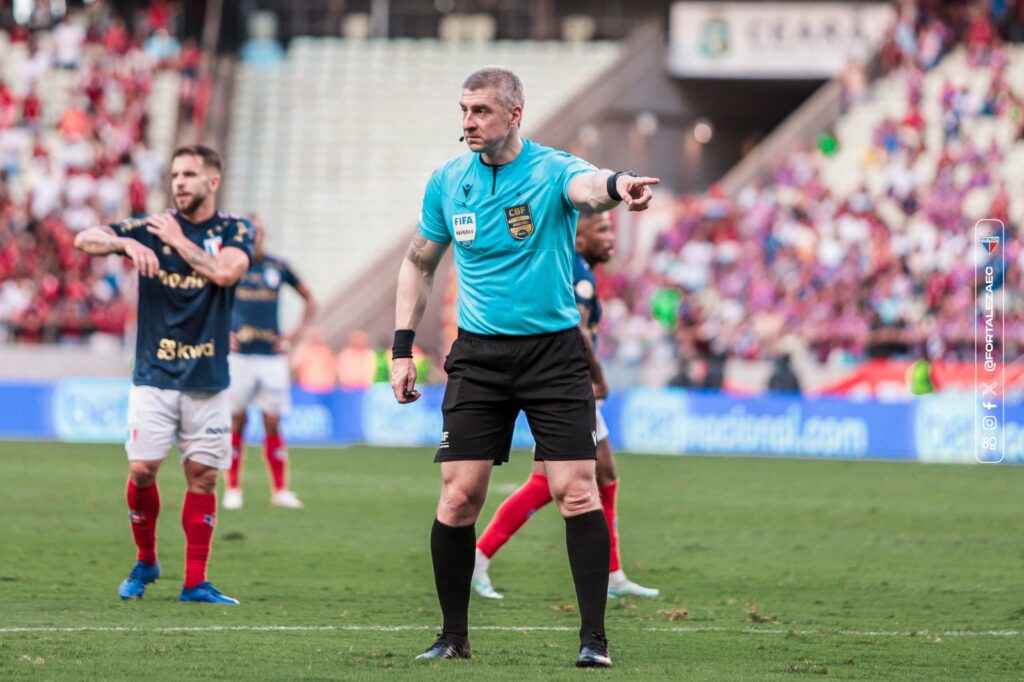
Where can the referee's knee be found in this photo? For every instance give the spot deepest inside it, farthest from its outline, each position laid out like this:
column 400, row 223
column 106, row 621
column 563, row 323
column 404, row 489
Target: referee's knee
column 578, row 498
column 459, row 506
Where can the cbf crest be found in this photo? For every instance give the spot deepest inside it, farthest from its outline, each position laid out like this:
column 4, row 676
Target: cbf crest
column 519, row 221
column 464, row 227
column 272, row 276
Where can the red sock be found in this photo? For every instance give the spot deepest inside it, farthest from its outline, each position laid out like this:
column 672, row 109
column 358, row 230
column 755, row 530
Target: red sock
column 143, row 508
column 198, row 517
column 237, row 450
column 608, row 503
column 276, row 455
column 514, row 512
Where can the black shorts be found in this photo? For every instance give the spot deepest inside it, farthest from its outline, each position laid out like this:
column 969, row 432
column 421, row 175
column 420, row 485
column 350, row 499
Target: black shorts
column 492, row 378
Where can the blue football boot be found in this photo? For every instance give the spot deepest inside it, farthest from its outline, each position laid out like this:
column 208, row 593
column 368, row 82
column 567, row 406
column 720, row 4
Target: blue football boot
column 205, row 592
column 134, row 586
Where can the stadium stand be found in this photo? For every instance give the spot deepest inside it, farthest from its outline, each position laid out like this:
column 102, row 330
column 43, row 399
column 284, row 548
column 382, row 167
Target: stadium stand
column 886, row 199
column 861, row 247
column 88, row 113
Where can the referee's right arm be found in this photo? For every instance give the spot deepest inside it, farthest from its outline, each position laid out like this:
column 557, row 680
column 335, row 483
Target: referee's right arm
column 415, row 281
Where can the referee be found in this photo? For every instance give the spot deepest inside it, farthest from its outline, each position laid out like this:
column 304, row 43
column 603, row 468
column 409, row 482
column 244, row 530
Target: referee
column 510, row 205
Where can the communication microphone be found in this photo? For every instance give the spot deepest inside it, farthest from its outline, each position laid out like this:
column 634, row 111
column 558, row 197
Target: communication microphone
column 462, row 139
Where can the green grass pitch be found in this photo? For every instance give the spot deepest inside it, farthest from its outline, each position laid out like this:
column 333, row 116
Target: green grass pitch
column 769, row 569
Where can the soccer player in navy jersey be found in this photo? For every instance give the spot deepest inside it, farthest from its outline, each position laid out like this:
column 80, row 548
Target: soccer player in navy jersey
column 508, row 208
column 259, row 368
column 189, row 260
column 595, row 243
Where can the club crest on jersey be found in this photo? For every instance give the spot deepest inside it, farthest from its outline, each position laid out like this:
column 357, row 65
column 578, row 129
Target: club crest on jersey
column 212, row 245
column 272, row 276
column 519, row 221
column 585, row 289
column 464, row 226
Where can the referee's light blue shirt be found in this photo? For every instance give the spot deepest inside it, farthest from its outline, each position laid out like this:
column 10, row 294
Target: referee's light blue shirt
column 515, row 235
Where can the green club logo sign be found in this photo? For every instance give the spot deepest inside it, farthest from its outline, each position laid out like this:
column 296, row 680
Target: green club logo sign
column 715, row 38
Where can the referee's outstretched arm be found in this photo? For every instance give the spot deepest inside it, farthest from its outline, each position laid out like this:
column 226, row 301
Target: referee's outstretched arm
column 604, row 189
column 415, row 281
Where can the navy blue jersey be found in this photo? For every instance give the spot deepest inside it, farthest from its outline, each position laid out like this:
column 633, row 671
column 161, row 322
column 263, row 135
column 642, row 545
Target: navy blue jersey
column 254, row 318
column 184, row 319
column 584, row 285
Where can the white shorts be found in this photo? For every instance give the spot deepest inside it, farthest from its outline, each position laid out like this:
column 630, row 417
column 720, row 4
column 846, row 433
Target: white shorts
column 602, row 429
column 201, row 422
column 260, row 378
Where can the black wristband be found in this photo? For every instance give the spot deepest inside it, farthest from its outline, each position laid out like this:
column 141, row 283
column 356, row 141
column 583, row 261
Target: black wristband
column 613, row 191
column 402, row 346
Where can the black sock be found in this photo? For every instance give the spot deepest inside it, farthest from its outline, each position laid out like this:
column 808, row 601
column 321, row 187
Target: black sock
column 586, row 538
column 453, row 550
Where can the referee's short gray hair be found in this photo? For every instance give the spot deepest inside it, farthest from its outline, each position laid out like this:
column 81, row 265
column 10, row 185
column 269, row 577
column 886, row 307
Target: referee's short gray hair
column 506, row 84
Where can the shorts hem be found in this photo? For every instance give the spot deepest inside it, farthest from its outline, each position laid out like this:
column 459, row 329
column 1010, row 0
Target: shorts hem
column 206, row 459
column 537, row 457
column 438, row 458
column 132, row 457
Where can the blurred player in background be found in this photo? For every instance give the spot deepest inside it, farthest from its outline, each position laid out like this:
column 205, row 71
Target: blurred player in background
column 595, row 243
column 508, row 207
column 259, row 368
column 189, row 260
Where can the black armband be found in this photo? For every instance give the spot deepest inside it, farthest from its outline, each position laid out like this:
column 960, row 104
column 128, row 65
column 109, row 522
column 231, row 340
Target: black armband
column 402, row 346
column 613, row 191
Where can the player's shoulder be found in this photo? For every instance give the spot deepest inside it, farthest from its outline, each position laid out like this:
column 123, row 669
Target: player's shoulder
column 234, row 220
column 583, row 281
column 581, row 269
column 129, row 224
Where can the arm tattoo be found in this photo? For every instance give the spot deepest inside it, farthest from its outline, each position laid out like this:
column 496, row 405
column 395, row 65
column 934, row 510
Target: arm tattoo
column 416, row 255
column 99, row 243
column 198, row 258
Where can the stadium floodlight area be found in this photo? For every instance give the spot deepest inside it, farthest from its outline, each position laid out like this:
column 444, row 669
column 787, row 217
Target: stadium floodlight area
column 333, row 147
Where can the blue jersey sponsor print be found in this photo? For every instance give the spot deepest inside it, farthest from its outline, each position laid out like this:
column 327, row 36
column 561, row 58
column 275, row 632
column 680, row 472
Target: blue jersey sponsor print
column 254, row 319
column 584, row 286
column 184, row 319
column 514, row 232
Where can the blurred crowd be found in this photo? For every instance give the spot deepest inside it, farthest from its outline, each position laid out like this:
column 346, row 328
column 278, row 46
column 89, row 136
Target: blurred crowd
column 318, row 368
column 851, row 253
column 76, row 151
column 882, row 267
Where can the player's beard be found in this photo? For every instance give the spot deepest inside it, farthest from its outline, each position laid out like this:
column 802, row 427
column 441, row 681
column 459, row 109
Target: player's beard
column 193, row 205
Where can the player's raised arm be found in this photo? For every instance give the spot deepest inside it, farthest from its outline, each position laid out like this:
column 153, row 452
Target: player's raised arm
column 224, row 269
column 103, row 241
column 415, row 282
column 603, row 189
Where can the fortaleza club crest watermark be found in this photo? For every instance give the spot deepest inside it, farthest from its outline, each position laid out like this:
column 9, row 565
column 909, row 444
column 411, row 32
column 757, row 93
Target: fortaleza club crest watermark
column 989, row 332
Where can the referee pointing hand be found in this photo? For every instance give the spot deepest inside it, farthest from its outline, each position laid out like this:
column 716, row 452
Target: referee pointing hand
column 510, row 206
